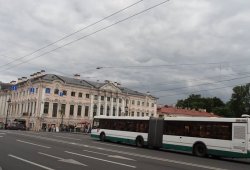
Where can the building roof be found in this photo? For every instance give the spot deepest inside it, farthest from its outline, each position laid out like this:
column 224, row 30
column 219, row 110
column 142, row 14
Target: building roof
column 5, row 86
column 173, row 111
column 85, row 83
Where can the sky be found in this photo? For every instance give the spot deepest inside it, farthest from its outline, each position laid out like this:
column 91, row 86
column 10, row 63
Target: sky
column 171, row 50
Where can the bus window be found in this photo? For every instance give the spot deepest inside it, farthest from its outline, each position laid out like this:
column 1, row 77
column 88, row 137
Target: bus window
column 96, row 124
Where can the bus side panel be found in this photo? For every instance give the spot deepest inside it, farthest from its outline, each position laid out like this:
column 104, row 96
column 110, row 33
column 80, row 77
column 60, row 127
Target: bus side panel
column 214, row 146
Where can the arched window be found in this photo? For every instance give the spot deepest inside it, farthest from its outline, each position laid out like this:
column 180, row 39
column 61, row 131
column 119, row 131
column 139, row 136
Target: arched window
column 56, row 91
column 101, row 110
column 108, row 110
column 120, row 112
column 95, row 110
column 114, row 110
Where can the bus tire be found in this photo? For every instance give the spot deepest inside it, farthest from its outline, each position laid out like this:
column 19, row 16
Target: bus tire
column 139, row 142
column 200, row 149
column 102, row 136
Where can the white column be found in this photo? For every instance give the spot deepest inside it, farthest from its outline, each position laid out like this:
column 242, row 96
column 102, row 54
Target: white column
column 99, row 105
column 117, row 106
column 105, row 105
column 91, row 106
column 111, row 106
column 123, row 107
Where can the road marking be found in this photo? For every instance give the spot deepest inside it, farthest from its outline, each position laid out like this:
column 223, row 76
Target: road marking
column 114, row 145
column 111, row 156
column 104, row 160
column 66, row 137
column 33, row 163
column 71, row 161
column 34, row 144
column 1, row 136
column 2, row 133
column 163, row 159
column 126, row 153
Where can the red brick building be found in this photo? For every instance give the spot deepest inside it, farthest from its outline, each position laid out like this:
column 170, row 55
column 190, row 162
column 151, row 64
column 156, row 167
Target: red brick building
column 170, row 111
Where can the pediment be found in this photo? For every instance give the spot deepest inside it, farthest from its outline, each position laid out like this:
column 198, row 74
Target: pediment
column 110, row 87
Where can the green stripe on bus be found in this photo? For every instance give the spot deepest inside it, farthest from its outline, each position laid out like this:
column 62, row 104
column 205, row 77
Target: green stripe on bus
column 210, row 151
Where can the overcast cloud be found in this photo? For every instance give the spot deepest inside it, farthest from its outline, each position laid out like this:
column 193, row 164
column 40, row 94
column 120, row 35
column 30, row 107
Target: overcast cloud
column 205, row 43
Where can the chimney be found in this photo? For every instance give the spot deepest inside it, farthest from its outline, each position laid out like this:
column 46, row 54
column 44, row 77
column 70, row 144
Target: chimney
column 13, row 82
column 107, row 81
column 77, row 76
column 24, row 78
column 42, row 72
column 19, row 80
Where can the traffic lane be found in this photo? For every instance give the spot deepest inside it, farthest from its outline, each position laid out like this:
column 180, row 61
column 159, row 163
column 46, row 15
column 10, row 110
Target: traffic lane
column 173, row 156
column 52, row 158
column 97, row 161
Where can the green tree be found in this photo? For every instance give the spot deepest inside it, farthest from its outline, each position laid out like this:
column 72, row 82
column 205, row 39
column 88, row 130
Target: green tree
column 240, row 100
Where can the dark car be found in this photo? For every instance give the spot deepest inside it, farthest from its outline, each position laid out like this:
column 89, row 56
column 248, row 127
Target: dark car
column 16, row 126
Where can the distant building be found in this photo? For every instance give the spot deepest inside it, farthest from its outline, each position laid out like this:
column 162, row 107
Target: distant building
column 170, row 111
column 49, row 100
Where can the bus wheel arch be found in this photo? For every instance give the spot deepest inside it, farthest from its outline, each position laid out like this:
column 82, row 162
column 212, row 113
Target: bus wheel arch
column 200, row 149
column 139, row 141
column 102, row 136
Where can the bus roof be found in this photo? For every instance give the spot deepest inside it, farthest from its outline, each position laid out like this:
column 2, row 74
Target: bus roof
column 209, row 119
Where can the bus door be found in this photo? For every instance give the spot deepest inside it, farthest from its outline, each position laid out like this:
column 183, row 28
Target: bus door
column 155, row 132
column 239, row 137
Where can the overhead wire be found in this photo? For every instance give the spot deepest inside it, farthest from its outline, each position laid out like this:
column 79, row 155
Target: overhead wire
column 88, row 35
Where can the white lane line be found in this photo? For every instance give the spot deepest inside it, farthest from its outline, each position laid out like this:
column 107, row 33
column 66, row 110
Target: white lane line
column 163, row 159
column 71, row 161
column 1, row 136
column 33, row 163
column 2, row 133
column 108, row 155
column 126, row 153
column 33, row 144
column 66, row 137
column 104, row 160
column 114, row 145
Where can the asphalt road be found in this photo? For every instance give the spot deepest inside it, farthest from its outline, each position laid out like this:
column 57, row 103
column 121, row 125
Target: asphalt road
column 60, row 151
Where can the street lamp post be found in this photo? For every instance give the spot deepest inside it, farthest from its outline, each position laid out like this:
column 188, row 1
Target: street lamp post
column 6, row 119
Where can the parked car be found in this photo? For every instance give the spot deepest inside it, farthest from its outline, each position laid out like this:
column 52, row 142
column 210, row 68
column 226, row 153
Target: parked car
column 16, row 126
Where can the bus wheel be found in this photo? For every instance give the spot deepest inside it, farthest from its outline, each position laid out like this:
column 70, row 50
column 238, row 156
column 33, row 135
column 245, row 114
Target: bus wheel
column 139, row 141
column 102, row 136
column 200, row 150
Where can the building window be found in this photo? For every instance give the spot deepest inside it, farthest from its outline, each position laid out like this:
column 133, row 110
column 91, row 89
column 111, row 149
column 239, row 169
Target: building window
column 95, row 97
column 142, row 103
column 80, row 95
column 114, row 100
column 133, row 102
column 152, row 104
column 64, row 93
column 87, row 96
column 46, row 108
column 146, row 114
column 101, row 110
column 102, row 98
column 108, row 110
column 133, row 114
column 56, row 91
column 138, row 114
column 138, row 103
column 108, row 99
column 71, row 110
column 73, row 93
column 120, row 112
column 36, row 90
column 79, row 111
column 147, row 103
column 120, row 100
column 54, row 113
column 114, row 110
column 63, row 108
column 142, row 114
column 95, row 110
column 86, row 111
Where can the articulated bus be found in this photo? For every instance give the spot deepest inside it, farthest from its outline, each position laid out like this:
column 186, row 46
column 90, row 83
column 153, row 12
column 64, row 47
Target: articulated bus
column 222, row 137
